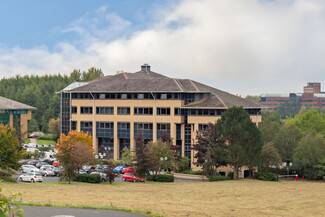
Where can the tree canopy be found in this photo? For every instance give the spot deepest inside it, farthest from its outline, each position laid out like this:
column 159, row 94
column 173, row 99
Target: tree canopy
column 9, row 148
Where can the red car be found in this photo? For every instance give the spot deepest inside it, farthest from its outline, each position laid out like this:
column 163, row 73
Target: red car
column 131, row 177
column 56, row 163
column 128, row 170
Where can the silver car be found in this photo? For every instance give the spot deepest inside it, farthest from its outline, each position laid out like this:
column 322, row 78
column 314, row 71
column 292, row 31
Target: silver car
column 29, row 169
column 30, row 177
column 46, row 172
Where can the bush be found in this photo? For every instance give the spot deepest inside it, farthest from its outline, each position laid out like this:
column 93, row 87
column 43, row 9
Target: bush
column 193, row 172
column 231, row 175
column 218, row 178
column 266, row 176
column 47, row 137
column 5, row 175
column 88, row 178
column 160, row 178
column 183, row 164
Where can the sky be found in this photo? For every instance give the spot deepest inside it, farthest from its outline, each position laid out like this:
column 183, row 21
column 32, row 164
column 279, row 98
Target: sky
column 239, row 46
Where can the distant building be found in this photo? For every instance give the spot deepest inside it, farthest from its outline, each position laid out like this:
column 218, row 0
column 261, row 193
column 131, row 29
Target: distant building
column 311, row 97
column 15, row 114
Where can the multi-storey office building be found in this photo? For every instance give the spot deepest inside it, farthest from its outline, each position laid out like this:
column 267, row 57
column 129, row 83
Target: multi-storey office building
column 15, row 114
column 311, row 97
column 116, row 108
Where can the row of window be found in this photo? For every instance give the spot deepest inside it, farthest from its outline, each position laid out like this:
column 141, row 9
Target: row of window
column 189, row 97
column 160, row 111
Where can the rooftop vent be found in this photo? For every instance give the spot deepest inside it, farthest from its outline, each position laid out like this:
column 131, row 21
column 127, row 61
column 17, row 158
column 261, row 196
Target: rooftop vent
column 145, row 67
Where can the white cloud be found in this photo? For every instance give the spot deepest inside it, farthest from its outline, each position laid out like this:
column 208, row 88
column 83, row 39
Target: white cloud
column 245, row 47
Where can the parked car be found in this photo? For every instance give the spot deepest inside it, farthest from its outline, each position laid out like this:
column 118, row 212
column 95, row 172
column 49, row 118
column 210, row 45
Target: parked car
column 47, row 167
column 33, row 162
column 46, row 172
column 30, row 177
column 103, row 176
column 131, row 177
column 32, row 150
column 41, row 163
column 128, row 170
column 118, row 169
column 57, row 171
column 56, row 163
column 28, row 168
column 82, row 172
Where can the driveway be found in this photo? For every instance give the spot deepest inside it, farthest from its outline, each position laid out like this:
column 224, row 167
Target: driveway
column 43, row 211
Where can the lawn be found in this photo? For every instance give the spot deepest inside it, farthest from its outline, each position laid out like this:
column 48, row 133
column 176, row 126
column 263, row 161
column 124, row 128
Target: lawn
column 46, row 142
column 228, row 198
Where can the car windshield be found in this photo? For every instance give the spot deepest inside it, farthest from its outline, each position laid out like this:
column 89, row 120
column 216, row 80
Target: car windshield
column 37, row 174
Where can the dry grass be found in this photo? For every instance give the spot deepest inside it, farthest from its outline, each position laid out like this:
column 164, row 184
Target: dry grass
column 230, row 198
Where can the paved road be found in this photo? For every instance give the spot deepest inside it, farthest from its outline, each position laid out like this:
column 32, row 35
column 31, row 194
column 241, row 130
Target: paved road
column 42, row 211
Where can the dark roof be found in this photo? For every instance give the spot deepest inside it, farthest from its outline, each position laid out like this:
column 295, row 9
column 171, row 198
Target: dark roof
column 12, row 105
column 148, row 81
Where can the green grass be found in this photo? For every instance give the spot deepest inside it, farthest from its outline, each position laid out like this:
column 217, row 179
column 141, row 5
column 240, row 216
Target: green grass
column 46, row 142
column 26, row 141
column 113, row 208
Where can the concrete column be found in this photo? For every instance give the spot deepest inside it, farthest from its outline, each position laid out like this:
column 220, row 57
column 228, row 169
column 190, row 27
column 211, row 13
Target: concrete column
column 11, row 120
column 173, row 132
column 132, row 139
column 154, row 133
column 183, row 139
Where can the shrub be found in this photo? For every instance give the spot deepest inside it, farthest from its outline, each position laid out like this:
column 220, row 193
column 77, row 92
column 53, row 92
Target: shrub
column 231, row 175
column 266, row 176
column 160, row 178
column 47, row 137
column 5, row 175
column 88, row 178
column 193, row 172
column 183, row 164
column 218, row 178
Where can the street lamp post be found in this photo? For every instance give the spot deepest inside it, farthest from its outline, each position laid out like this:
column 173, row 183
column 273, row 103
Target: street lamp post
column 163, row 160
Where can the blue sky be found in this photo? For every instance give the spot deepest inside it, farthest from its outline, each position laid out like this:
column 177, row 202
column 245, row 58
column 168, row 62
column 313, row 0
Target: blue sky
column 242, row 47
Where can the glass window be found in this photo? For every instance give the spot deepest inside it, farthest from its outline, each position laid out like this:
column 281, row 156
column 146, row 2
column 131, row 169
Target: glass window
column 123, row 110
column 86, row 110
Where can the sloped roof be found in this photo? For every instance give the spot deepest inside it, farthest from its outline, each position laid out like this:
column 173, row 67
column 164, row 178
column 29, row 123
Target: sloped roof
column 12, row 105
column 148, row 81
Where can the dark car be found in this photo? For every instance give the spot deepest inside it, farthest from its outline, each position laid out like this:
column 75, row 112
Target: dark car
column 58, row 171
column 33, row 162
column 41, row 163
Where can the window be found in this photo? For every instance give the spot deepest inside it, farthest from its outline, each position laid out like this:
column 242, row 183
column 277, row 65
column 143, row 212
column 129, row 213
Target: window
column 74, row 109
column 86, row 126
column 143, row 110
column 105, row 129
column 123, row 130
column 123, row 110
column 163, row 128
column 143, row 128
column 163, row 111
column 86, row 110
column 73, row 125
column 105, row 110
column 203, row 127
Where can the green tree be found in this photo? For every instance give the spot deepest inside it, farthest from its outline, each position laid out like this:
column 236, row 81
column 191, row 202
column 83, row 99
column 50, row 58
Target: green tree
column 269, row 157
column 309, row 152
column 286, row 140
column 309, row 120
column 269, row 126
column 158, row 150
column 92, row 74
column 8, row 205
column 209, row 150
column 126, row 156
column 243, row 138
column 54, row 127
column 9, row 148
column 256, row 99
column 183, row 164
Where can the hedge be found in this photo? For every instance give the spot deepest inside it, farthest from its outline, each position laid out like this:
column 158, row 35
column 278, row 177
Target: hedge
column 160, row 178
column 266, row 176
column 193, row 172
column 218, row 178
column 88, row 178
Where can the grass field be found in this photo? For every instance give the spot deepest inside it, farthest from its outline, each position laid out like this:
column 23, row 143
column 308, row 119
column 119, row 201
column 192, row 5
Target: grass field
column 228, row 198
column 46, row 142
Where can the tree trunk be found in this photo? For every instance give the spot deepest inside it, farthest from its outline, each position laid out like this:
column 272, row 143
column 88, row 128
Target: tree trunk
column 235, row 172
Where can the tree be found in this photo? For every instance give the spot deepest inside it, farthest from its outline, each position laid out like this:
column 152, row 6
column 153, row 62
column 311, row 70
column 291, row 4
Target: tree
column 269, row 126
column 142, row 158
column 210, row 150
column 9, row 148
column 126, row 156
column 256, row 99
column 183, row 164
column 74, row 150
column 54, row 127
column 309, row 120
column 242, row 136
column 309, row 152
column 270, row 157
column 92, row 74
column 158, row 150
column 286, row 140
